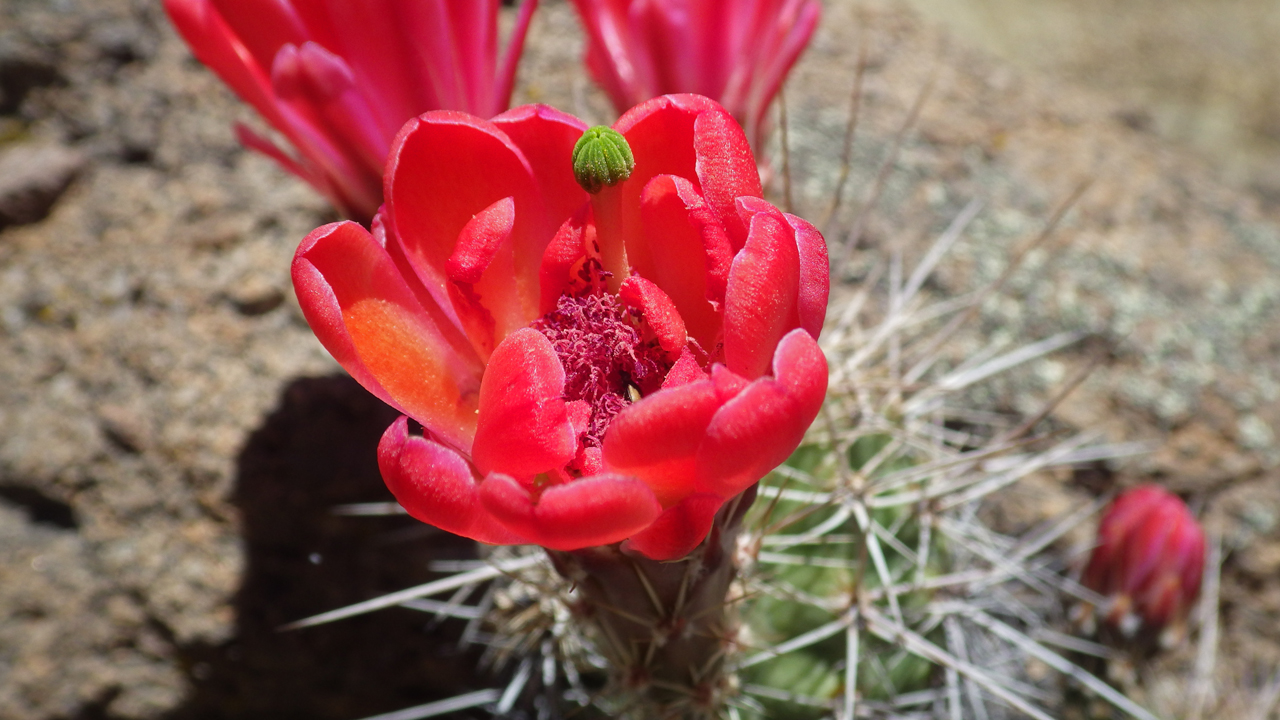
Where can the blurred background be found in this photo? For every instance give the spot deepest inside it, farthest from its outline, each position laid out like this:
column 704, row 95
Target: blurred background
column 1202, row 73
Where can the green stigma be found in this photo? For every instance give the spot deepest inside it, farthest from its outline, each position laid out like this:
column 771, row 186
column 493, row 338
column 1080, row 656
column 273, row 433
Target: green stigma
column 601, row 158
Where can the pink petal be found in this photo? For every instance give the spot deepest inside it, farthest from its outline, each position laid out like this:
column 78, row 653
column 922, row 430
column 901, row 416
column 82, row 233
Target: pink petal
column 660, row 133
column 657, row 438
column 762, row 297
column 687, row 253
column 659, row 40
column 1109, row 566
column 616, row 58
column 480, row 271
column 590, row 461
column 801, row 368
column 685, row 370
column 579, row 413
column 479, row 241
column 679, row 529
column 436, row 486
column 311, row 71
column 726, row 169
column 217, row 45
column 524, row 427
column 241, row 52
column 657, row 310
column 328, row 86
column 595, row 510
column 815, row 275
column 728, row 384
column 330, row 120
column 262, row 27
column 1189, row 551
column 253, row 141
column 562, row 255
column 505, row 81
column 768, row 77
column 546, row 136
column 1144, row 551
column 381, row 46
column 361, row 309
column 815, row 271
column 444, row 168
column 756, row 430
column 1150, row 553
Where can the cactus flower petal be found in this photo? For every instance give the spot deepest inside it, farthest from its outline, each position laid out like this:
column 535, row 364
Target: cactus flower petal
column 657, row 439
column 678, row 529
column 761, row 303
column 367, row 316
column 594, row 510
column 524, row 423
column 763, row 423
column 436, row 485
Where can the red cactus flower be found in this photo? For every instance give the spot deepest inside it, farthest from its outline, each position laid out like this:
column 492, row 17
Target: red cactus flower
column 339, row 78
column 1148, row 560
column 576, row 370
column 736, row 51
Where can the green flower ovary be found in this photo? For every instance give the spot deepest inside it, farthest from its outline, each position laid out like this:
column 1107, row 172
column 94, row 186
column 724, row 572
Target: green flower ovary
column 601, row 158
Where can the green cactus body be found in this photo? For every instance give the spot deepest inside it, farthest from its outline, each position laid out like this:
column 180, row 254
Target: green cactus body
column 820, row 582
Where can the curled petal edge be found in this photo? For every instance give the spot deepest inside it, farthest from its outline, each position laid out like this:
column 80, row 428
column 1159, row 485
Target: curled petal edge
column 437, row 486
column 678, row 530
column 595, row 510
column 763, row 424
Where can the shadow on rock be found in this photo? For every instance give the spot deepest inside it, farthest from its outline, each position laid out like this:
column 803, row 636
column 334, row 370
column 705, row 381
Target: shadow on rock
column 316, row 451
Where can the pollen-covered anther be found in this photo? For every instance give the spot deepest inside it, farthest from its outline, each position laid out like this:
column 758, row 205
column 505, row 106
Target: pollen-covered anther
column 607, row 363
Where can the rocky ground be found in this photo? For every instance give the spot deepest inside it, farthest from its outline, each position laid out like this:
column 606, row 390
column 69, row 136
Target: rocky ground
column 172, row 438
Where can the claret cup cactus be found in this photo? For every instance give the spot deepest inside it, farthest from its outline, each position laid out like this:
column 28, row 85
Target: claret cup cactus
column 601, row 339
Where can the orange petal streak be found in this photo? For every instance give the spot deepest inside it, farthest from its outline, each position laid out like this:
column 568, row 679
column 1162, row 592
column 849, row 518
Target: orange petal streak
column 397, row 351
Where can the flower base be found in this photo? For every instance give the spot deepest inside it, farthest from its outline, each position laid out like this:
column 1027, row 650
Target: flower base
column 664, row 626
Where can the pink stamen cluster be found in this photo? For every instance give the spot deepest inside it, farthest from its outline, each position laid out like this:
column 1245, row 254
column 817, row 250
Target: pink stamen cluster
column 603, row 355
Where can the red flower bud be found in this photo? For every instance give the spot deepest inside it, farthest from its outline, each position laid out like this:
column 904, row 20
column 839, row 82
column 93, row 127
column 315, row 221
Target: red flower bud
column 338, row 79
column 1148, row 560
column 580, row 369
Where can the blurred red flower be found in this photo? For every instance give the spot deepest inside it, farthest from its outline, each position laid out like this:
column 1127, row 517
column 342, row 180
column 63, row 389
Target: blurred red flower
column 337, row 78
column 1148, row 560
column 575, row 369
column 737, row 52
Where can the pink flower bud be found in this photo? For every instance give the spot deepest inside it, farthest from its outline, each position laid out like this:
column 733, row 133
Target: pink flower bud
column 1148, row 560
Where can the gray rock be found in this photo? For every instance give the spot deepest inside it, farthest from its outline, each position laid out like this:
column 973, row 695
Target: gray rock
column 32, row 176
